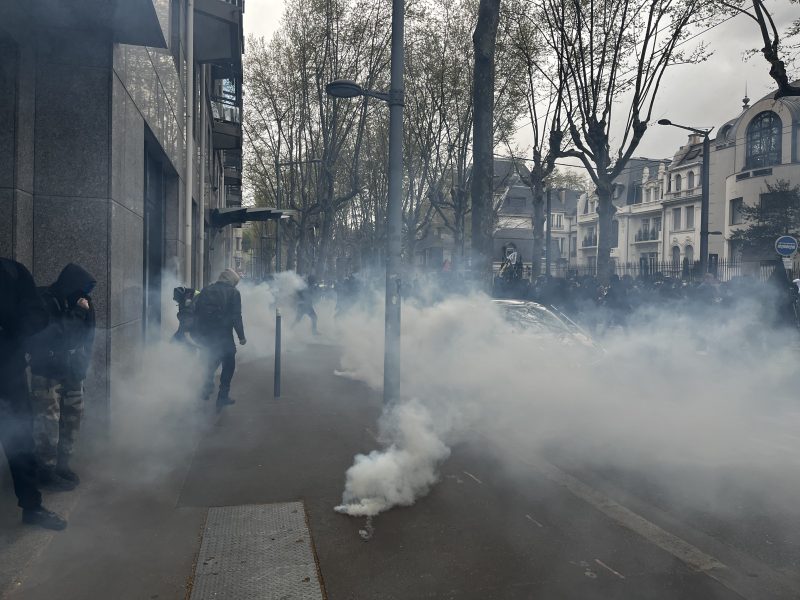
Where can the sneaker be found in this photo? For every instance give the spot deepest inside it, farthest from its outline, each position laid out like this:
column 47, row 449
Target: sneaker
column 43, row 518
column 53, row 482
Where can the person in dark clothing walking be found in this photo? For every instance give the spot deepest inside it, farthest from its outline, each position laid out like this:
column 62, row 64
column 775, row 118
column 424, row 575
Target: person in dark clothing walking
column 305, row 304
column 22, row 313
column 218, row 313
column 60, row 358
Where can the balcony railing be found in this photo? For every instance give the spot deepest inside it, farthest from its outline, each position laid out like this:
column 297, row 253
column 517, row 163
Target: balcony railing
column 647, row 235
column 226, row 110
column 589, row 241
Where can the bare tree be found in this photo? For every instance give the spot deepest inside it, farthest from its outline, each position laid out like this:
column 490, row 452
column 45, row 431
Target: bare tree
column 615, row 55
column 544, row 87
column 483, row 99
column 775, row 51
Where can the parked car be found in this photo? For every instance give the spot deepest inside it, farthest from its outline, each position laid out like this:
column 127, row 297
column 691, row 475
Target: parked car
column 527, row 316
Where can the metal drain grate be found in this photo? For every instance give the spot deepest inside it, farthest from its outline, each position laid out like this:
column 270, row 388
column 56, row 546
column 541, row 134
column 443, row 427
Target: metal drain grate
column 258, row 552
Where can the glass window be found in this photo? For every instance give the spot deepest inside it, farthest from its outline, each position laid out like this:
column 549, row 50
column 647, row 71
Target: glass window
column 657, row 225
column 689, row 254
column 676, row 254
column 676, row 219
column 614, row 234
column 690, row 181
column 678, row 183
column 690, row 217
column 736, row 211
column 764, row 140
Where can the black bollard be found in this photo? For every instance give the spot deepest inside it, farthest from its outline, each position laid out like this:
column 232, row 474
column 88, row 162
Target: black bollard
column 276, row 390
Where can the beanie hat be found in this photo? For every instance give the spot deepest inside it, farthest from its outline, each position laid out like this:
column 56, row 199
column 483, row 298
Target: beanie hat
column 229, row 276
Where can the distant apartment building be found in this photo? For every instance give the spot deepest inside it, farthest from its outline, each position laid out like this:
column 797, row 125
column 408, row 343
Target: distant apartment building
column 94, row 153
column 659, row 201
column 761, row 146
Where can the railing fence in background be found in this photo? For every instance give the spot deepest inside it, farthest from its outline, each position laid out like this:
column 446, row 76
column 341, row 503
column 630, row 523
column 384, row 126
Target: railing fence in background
column 723, row 270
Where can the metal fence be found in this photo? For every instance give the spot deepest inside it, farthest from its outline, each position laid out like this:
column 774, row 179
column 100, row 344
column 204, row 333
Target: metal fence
column 723, row 270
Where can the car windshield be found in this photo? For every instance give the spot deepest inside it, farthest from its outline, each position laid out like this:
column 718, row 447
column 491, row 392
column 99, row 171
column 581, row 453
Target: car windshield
column 530, row 316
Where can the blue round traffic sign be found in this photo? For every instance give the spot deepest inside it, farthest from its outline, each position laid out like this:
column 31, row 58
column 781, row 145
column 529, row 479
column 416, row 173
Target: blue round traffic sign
column 786, row 245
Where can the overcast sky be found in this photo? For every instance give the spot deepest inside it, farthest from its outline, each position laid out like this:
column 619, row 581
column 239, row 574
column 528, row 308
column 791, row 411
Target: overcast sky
column 701, row 95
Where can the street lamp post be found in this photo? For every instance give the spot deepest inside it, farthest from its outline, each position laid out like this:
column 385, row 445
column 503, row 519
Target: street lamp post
column 704, row 208
column 343, row 88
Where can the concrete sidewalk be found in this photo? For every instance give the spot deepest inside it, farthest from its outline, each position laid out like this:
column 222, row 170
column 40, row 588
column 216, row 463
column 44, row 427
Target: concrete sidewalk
column 135, row 523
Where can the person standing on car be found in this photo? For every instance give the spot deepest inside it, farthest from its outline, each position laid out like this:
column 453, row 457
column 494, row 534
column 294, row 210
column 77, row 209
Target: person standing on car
column 22, row 314
column 217, row 314
column 60, row 357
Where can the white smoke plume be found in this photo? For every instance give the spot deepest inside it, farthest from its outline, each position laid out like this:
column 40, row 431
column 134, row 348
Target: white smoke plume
column 676, row 388
column 397, row 475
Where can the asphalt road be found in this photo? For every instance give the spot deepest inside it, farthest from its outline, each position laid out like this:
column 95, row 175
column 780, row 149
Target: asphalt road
column 527, row 526
column 485, row 531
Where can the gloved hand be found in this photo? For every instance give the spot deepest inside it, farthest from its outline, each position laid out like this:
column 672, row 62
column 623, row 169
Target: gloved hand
column 242, row 341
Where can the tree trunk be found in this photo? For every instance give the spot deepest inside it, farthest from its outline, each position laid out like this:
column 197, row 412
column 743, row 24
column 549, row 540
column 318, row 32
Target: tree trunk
column 538, row 230
column 483, row 41
column 605, row 214
column 326, row 235
column 302, row 248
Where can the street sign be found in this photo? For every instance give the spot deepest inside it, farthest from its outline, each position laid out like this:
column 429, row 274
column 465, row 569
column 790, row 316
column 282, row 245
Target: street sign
column 786, row 245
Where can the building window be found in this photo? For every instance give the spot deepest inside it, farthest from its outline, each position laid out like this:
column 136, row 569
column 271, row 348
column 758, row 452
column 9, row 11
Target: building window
column 614, row 233
column 689, row 255
column 690, row 217
column 690, row 181
column 736, row 211
column 657, row 226
column 558, row 221
column 676, row 219
column 764, row 140
column 676, row 255
column 678, row 183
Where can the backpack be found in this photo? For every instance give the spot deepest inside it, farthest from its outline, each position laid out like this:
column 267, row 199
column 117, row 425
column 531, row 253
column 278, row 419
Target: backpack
column 210, row 310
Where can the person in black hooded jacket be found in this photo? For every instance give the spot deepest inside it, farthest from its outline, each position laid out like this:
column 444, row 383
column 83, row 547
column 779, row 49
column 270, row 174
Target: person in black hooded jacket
column 22, row 314
column 60, row 357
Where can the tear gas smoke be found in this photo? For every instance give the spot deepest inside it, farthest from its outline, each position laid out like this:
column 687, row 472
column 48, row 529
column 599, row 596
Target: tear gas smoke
column 158, row 414
column 673, row 389
column 400, row 473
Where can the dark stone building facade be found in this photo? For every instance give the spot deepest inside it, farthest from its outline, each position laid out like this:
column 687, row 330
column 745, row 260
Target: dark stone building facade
column 93, row 153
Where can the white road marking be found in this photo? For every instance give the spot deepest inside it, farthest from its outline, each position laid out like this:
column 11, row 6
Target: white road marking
column 473, row 477
column 530, row 518
column 766, row 583
column 680, row 549
column 605, row 566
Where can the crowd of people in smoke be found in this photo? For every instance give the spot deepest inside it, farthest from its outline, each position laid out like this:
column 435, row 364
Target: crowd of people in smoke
column 599, row 306
column 614, row 304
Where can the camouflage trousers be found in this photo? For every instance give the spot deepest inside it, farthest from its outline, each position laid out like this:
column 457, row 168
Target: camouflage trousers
column 57, row 409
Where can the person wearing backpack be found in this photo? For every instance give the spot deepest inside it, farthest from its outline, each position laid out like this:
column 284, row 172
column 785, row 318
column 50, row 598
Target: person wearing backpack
column 60, row 357
column 217, row 314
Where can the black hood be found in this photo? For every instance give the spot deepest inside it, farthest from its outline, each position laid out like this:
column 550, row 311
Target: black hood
column 73, row 280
